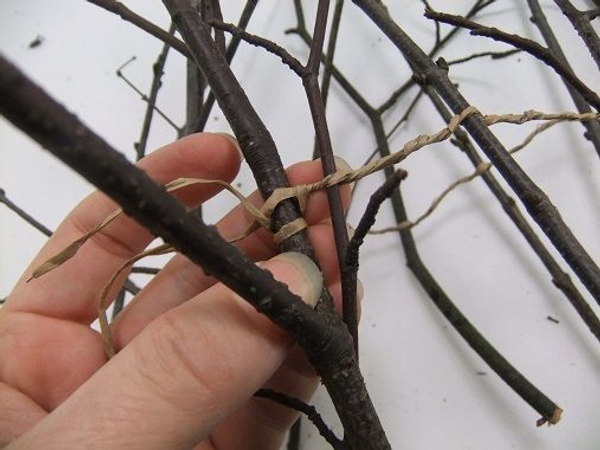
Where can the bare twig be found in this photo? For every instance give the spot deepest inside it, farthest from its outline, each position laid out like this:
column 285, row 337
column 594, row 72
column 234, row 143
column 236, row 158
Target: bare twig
column 539, row 19
column 527, row 45
column 128, row 15
column 583, row 25
column 157, row 69
column 310, row 411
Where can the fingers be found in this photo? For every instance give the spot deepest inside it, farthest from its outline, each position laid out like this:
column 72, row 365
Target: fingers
column 183, row 375
column 180, row 280
column 19, row 413
column 70, row 291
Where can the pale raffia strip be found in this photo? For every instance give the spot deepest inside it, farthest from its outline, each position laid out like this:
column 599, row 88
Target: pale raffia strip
column 102, row 306
column 262, row 216
column 481, row 168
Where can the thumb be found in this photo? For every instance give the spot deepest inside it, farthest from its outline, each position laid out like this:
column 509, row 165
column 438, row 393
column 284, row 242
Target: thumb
column 188, row 370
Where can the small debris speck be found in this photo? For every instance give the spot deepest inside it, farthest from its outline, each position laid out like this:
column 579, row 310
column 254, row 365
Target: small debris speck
column 39, row 39
column 481, row 373
column 552, row 319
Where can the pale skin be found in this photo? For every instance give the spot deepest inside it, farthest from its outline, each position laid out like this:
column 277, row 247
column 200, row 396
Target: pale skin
column 190, row 353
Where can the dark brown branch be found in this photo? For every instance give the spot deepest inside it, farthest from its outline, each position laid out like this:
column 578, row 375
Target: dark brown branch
column 527, row 45
column 263, row 43
column 157, row 70
column 549, row 411
column 200, row 122
column 338, row 218
column 535, row 200
column 492, row 55
column 23, row 214
column 366, row 222
column 310, row 411
column 143, row 96
column 583, row 25
column 560, row 279
column 539, row 19
column 128, row 15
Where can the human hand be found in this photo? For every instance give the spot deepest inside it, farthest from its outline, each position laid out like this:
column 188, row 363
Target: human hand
column 190, row 352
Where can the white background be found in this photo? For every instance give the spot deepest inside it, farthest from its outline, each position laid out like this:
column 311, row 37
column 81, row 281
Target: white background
column 425, row 381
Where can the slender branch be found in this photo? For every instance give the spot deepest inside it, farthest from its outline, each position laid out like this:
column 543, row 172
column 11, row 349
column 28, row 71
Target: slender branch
column 338, row 218
column 143, row 96
column 583, row 25
column 366, row 222
column 331, row 46
column 493, row 55
column 158, row 70
column 527, row 45
column 560, row 279
column 263, row 43
column 549, row 411
column 535, row 200
column 310, row 411
column 539, row 19
column 23, row 214
column 128, row 15
column 200, row 123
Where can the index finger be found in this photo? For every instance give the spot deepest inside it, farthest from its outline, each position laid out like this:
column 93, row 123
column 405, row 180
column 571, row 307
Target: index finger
column 70, row 292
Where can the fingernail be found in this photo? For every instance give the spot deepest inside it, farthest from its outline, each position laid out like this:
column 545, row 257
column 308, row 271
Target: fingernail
column 231, row 138
column 310, row 282
column 360, row 290
column 342, row 165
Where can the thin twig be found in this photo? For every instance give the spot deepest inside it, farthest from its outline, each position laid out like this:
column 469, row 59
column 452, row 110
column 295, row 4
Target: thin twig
column 549, row 411
column 128, row 15
column 583, row 25
column 527, row 45
column 539, row 19
column 23, row 214
column 143, row 96
column 158, row 70
column 493, row 55
column 310, row 411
